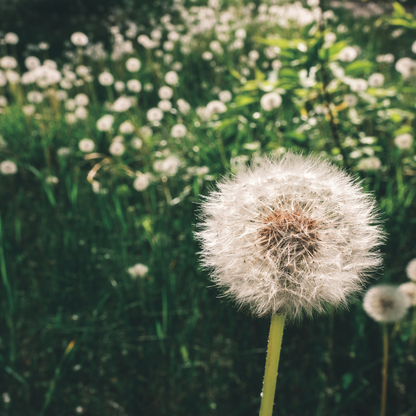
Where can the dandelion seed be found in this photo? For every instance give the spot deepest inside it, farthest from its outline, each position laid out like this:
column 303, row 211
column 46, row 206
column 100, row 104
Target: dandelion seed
column 117, row 148
column 82, row 100
column 216, row 107
column 376, row 80
column 369, row 163
column 11, row 38
column 348, row 54
column 171, row 78
column 165, row 105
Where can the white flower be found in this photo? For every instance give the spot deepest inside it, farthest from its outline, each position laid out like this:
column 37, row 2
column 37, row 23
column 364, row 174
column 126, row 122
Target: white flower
column 146, row 131
column 376, row 80
column 351, row 100
column 253, row 55
column 64, row 151
column 240, row 33
column 105, row 79
column 347, row 54
column 105, row 122
column 270, row 101
column 165, row 93
column 388, row 58
column 171, row 78
column 32, row 62
column 126, row 127
column 385, row 303
column 119, row 86
column 70, row 118
column 134, row 85
column 136, row 143
column 411, row 270
column 406, row 67
column 81, row 113
column 11, row 38
column 82, row 100
column 168, row 166
column 79, row 39
column 122, row 104
column 35, row 97
column 86, row 145
column 117, row 148
column 403, row 141
column 8, row 167
column 178, row 131
column 358, row 85
column 207, row 56
column 165, row 105
column 225, row 96
column 146, row 42
column 289, row 236
column 29, row 110
column 154, row 114
column 133, row 64
column 142, row 181
column 52, row 180
column 139, row 270
column 369, row 163
column 409, row 290
column 8, row 62
column 216, row 107
column 183, row 106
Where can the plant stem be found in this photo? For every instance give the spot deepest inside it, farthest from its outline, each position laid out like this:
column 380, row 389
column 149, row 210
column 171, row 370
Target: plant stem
column 272, row 363
column 384, row 372
column 413, row 333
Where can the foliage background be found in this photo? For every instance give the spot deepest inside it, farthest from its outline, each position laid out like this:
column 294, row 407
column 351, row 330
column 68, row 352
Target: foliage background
column 76, row 330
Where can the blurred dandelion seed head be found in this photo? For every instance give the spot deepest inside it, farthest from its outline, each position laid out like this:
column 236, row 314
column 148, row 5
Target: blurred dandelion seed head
column 385, row 303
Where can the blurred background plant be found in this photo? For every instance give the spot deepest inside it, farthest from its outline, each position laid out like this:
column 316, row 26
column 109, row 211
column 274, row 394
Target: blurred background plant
column 108, row 140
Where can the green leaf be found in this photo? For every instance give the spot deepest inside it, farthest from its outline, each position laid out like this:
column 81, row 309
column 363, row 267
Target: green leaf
column 336, row 48
column 347, row 380
column 359, row 68
column 242, row 100
column 399, row 10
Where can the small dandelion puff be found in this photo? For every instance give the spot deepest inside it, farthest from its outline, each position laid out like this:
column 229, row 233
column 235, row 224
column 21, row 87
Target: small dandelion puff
column 385, row 303
column 411, row 270
column 270, row 101
column 138, row 270
column 133, row 64
column 79, row 39
column 409, row 290
column 178, row 131
column 8, row 167
column 289, row 236
column 86, row 145
column 403, row 141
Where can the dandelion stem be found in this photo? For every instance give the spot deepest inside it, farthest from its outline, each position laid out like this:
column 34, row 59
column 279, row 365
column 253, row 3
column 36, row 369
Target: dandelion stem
column 384, row 372
column 413, row 333
column 272, row 363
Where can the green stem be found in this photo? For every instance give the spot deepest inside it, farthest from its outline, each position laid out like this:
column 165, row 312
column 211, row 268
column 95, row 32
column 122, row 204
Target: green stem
column 272, row 363
column 384, row 372
column 413, row 333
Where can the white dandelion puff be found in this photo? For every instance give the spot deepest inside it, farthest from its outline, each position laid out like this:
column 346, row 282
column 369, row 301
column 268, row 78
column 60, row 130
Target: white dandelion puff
column 403, row 141
column 270, row 101
column 8, row 167
column 385, row 303
column 411, row 270
column 409, row 290
column 290, row 236
column 138, row 270
column 86, row 145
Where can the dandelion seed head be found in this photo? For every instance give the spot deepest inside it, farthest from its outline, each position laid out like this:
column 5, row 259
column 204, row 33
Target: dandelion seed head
column 289, row 235
column 79, row 39
column 411, row 270
column 385, row 303
column 409, row 290
column 8, row 167
column 270, row 101
column 133, row 65
column 86, row 145
column 403, row 141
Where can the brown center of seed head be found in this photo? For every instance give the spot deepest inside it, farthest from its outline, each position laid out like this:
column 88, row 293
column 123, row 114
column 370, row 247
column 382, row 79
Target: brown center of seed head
column 386, row 304
column 290, row 235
